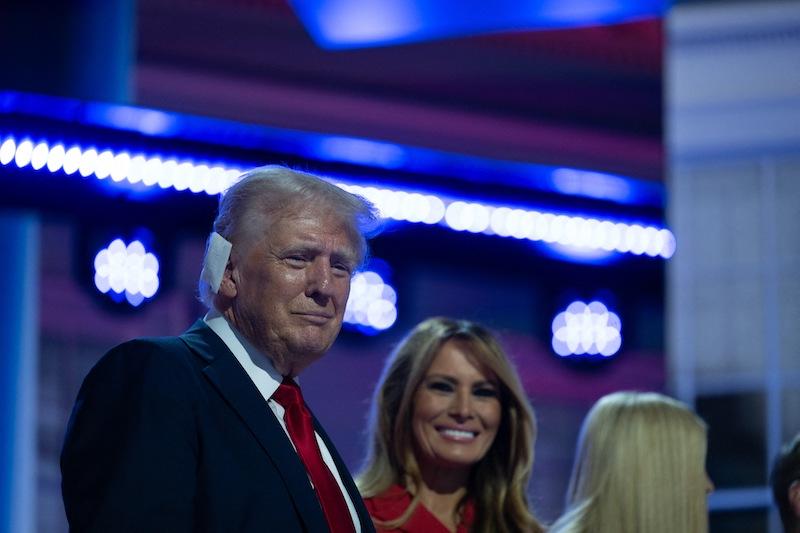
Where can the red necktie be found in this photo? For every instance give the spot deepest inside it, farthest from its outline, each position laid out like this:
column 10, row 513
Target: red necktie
column 301, row 431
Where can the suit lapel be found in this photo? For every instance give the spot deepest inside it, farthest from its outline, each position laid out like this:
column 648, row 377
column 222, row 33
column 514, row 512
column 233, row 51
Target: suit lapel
column 235, row 386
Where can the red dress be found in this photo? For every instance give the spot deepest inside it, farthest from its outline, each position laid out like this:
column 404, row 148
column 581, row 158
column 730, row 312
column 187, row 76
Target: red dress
column 396, row 499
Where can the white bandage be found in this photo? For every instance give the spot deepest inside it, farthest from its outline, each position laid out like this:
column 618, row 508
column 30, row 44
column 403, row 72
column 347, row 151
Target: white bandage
column 219, row 250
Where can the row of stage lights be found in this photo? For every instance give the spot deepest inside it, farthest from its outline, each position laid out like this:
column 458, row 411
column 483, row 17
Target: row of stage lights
column 414, row 207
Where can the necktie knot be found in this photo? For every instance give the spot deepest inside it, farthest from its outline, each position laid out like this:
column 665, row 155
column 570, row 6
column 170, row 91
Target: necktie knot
column 288, row 394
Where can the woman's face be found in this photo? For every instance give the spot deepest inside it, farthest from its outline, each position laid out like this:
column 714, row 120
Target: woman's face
column 456, row 410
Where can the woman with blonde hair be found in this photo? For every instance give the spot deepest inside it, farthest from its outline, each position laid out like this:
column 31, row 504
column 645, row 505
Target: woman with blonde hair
column 639, row 467
column 451, row 436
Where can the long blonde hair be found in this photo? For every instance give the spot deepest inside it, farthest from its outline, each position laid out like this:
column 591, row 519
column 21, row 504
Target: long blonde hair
column 639, row 466
column 498, row 482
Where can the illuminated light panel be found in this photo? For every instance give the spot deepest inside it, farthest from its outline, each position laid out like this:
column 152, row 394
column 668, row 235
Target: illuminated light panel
column 120, row 166
column 524, row 224
column 586, row 330
column 581, row 233
column 372, row 302
column 127, row 270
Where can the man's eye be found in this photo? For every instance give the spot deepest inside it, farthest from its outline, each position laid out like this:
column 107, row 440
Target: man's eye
column 296, row 260
column 343, row 268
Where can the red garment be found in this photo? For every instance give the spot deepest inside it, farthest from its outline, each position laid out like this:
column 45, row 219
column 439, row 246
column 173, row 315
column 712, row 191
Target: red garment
column 396, row 499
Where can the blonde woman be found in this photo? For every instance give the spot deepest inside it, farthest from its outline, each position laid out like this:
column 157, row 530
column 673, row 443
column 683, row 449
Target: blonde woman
column 451, row 436
column 639, row 466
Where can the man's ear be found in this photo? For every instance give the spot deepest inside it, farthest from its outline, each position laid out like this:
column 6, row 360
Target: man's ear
column 794, row 497
column 228, row 287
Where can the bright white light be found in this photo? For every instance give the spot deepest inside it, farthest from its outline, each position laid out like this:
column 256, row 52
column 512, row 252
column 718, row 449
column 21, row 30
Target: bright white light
column 372, row 302
column 55, row 158
column 436, row 210
column 24, row 152
column 120, row 166
column 480, row 216
column 152, row 172
column 136, row 169
column 166, row 172
column 127, row 269
column 39, row 156
column 668, row 243
column 88, row 162
column 201, row 179
column 454, row 216
column 7, row 151
column 182, row 175
column 586, row 329
column 103, row 165
column 72, row 160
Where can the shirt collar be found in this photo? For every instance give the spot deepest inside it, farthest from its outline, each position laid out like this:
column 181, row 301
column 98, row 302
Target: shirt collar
column 257, row 364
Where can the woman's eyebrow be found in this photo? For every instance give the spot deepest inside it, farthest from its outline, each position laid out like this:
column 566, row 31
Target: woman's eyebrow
column 442, row 376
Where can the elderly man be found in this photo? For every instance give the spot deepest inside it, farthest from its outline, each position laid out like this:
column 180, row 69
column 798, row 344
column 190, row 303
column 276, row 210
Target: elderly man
column 785, row 481
column 208, row 432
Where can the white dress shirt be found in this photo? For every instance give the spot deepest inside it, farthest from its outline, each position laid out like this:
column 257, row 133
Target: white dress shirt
column 266, row 379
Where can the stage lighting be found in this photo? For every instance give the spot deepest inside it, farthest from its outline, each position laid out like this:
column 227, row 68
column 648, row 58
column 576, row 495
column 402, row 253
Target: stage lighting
column 564, row 232
column 126, row 270
column 586, row 331
column 371, row 306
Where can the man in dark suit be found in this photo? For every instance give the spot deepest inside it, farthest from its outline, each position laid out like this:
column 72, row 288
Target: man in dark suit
column 207, row 432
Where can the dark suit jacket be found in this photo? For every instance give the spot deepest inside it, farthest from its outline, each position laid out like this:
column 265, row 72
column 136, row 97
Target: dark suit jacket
column 171, row 435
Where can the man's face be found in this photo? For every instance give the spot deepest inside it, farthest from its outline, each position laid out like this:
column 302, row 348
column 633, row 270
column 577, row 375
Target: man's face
column 291, row 286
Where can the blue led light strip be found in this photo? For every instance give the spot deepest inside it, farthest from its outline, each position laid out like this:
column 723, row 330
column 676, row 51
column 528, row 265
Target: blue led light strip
column 520, row 223
column 178, row 174
column 408, row 206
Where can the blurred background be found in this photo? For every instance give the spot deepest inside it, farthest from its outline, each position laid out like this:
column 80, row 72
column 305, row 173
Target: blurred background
column 611, row 187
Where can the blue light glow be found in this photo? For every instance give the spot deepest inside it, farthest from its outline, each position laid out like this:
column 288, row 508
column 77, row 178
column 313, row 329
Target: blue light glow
column 537, row 225
column 147, row 121
column 525, row 224
column 119, row 166
column 338, row 24
column 590, row 184
column 335, row 148
column 126, row 269
column 586, row 330
column 361, row 151
column 372, row 302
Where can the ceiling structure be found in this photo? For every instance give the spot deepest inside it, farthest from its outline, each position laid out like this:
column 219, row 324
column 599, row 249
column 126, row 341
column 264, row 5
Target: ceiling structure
column 588, row 98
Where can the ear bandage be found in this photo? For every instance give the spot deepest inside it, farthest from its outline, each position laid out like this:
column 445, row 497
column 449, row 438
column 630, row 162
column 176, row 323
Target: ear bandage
column 217, row 255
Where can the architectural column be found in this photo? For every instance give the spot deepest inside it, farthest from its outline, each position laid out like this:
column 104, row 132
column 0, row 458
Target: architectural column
column 81, row 49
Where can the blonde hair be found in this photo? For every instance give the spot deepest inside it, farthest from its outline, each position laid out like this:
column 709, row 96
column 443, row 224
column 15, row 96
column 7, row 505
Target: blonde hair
column 498, row 482
column 639, row 466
